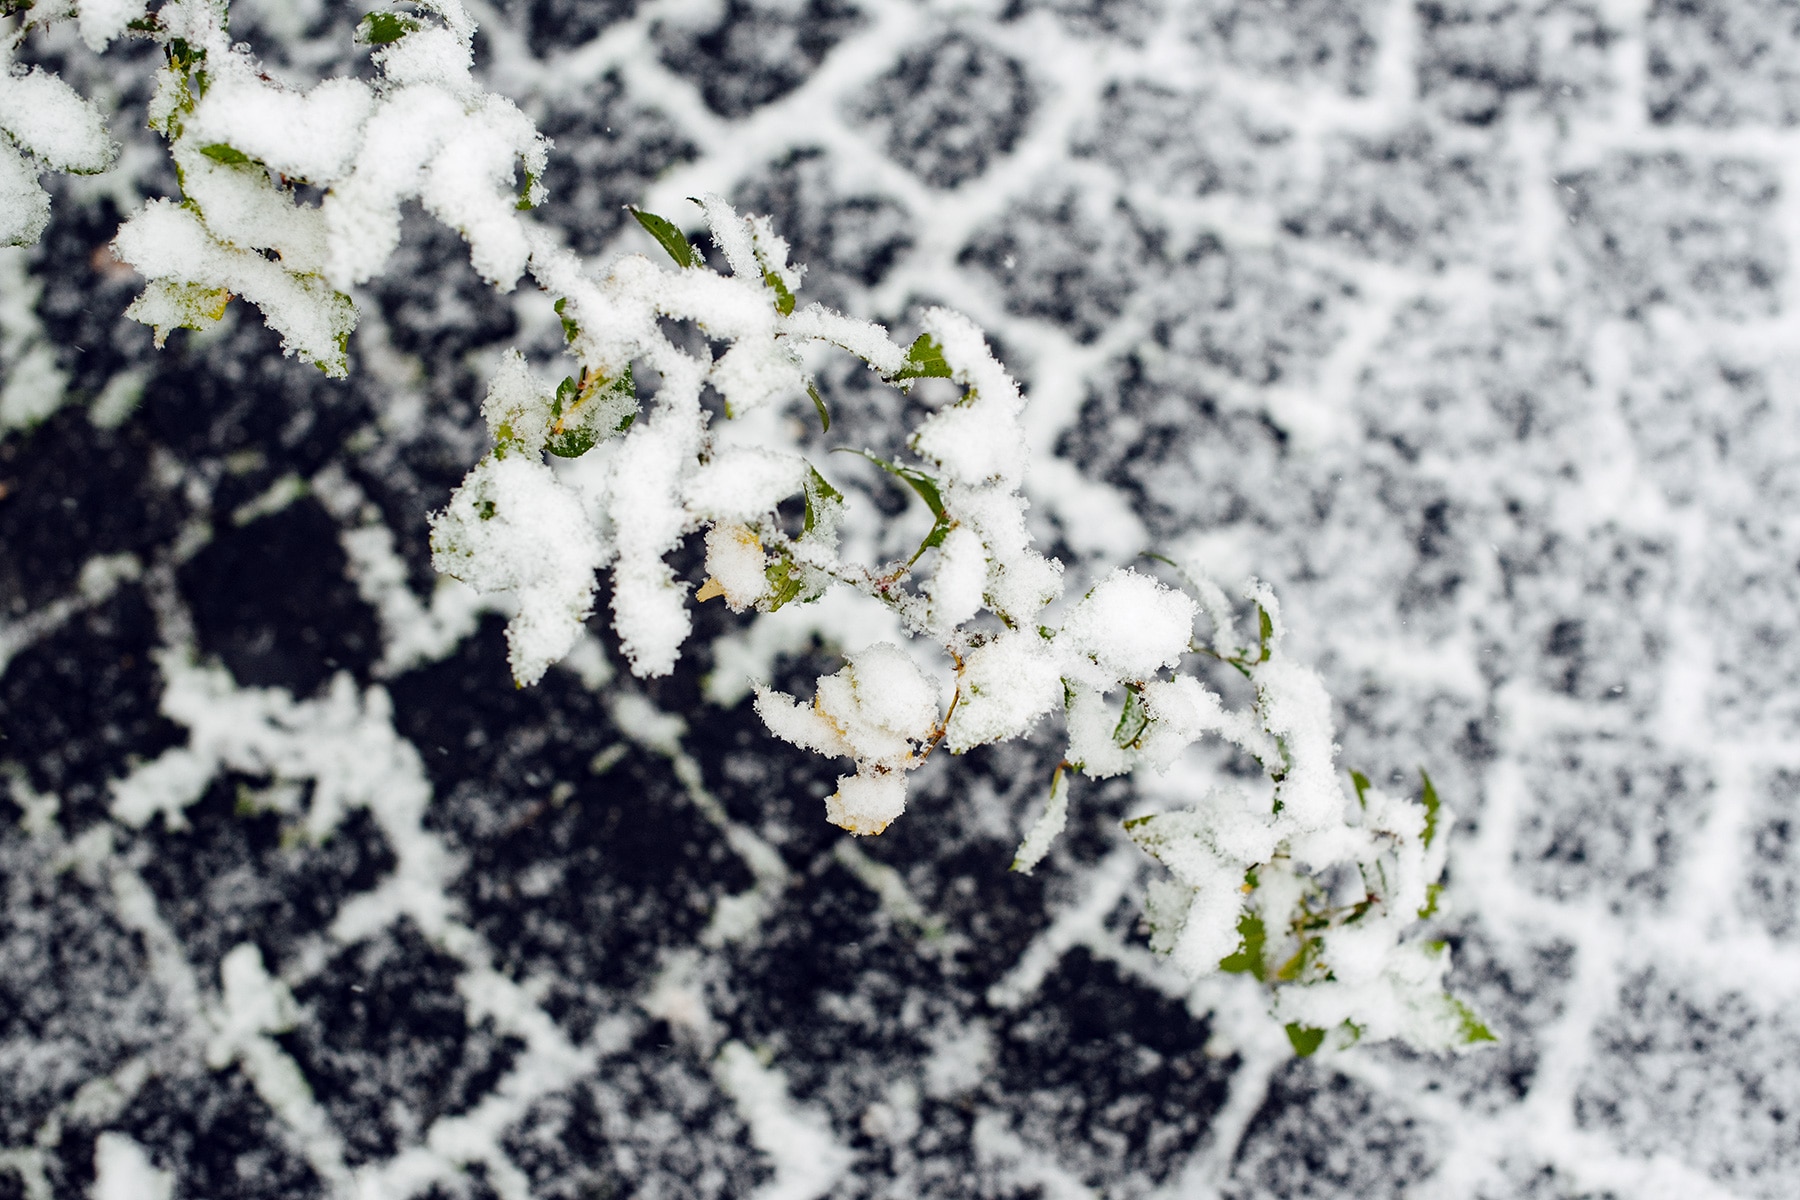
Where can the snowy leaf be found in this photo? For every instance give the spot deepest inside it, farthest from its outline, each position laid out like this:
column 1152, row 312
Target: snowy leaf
column 585, row 417
column 219, row 152
column 1045, row 829
column 1305, row 1039
column 667, row 236
column 1248, row 957
column 1473, row 1030
column 784, row 304
column 381, row 28
column 818, row 494
column 924, row 360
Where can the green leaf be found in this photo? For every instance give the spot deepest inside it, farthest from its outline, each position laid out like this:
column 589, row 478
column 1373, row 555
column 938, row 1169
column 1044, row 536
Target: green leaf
column 586, row 418
column 784, row 299
column 1430, row 907
column 1265, row 630
column 383, row 28
column 925, row 360
column 1472, row 1028
column 1305, row 1039
column 1361, row 783
column 9, row 8
column 1248, row 957
column 181, row 55
column 667, row 236
column 818, row 400
column 1430, row 800
column 1134, row 718
column 1295, row 966
column 531, row 182
column 571, row 330
column 230, row 156
column 785, row 584
column 816, row 485
column 925, row 485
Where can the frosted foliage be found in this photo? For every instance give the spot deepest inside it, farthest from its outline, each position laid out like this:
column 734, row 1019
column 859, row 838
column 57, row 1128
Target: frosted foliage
column 973, row 641
column 512, row 527
column 100, row 21
column 44, row 116
column 24, row 206
column 737, row 565
column 881, row 710
column 1007, row 685
column 1131, row 625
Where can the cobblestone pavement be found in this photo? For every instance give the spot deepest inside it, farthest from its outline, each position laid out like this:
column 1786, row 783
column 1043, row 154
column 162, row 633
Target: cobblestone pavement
column 1470, row 324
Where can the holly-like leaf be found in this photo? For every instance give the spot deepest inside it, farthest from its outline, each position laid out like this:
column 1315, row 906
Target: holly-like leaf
column 1304, row 1038
column 924, row 360
column 668, row 236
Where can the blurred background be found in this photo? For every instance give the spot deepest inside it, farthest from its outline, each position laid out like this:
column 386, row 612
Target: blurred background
column 1468, row 325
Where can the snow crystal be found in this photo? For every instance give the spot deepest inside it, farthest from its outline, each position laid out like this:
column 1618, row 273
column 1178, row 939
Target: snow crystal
column 803, row 725
column 731, row 235
column 1210, row 931
column 1091, row 723
column 975, row 442
column 879, row 709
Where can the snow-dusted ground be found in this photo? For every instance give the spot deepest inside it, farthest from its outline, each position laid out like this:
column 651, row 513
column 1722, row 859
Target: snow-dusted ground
column 1467, row 325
